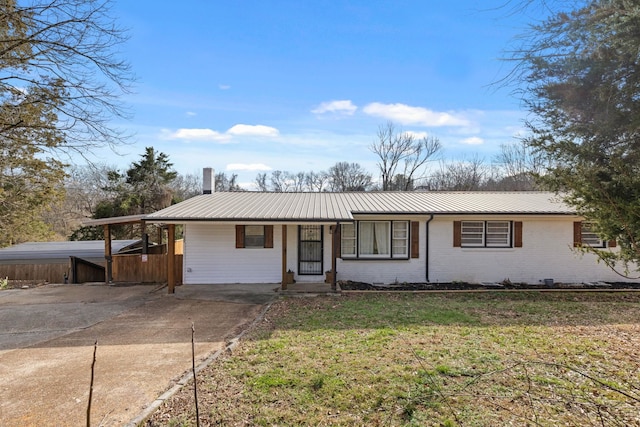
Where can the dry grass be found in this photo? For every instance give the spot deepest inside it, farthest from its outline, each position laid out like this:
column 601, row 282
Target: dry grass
column 429, row 359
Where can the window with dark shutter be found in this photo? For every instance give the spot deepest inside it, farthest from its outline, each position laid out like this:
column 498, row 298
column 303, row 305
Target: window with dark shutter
column 584, row 234
column 375, row 239
column 487, row 234
column 254, row 236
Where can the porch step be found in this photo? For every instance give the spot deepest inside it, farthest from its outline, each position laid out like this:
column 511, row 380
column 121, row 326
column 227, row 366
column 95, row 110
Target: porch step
column 309, row 289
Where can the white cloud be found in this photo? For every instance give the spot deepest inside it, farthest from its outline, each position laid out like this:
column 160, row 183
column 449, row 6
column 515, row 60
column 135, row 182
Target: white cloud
column 408, row 115
column 224, row 87
column 253, row 130
column 417, row 135
column 247, row 167
column 198, row 135
column 191, row 113
column 474, row 140
column 210, row 135
column 340, row 107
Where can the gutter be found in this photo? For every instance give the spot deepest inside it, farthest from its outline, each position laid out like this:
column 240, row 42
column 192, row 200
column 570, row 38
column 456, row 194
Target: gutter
column 426, row 252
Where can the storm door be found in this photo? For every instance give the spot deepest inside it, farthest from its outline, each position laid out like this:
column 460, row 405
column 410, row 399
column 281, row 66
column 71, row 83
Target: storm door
column 310, row 249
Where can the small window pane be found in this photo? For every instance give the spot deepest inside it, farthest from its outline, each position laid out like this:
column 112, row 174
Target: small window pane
column 348, row 239
column 400, row 238
column 498, row 233
column 472, row 233
column 254, row 236
column 310, row 232
column 589, row 236
column 374, row 238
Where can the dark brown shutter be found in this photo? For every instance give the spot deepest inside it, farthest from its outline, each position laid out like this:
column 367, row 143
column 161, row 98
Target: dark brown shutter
column 577, row 234
column 268, row 236
column 612, row 243
column 239, row 236
column 415, row 239
column 457, row 234
column 517, row 234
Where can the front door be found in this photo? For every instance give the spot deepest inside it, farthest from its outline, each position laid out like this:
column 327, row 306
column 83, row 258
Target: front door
column 310, row 249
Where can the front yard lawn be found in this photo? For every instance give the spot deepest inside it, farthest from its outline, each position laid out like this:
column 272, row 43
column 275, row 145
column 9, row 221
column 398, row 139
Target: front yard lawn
column 441, row 359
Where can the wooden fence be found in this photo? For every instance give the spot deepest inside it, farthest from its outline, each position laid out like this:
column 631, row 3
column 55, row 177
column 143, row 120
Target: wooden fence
column 52, row 273
column 150, row 268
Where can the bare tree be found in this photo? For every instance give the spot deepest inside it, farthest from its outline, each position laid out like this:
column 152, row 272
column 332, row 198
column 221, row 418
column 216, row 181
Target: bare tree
column 296, row 181
column 518, row 166
column 227, row 183
column 344, row 176
column 278, row 180
column 65, row 52
column 402, row 153
column 186, row 186
column 261, row 182
column 316, row 181
column 462, row 175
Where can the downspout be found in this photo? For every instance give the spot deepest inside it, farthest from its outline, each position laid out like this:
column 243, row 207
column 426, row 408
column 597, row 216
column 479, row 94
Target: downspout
column 426, row 252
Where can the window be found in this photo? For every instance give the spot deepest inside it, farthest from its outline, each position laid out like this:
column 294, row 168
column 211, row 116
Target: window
column 348, row 239
column 485, row 234
column 586, row 235
column 400, row 238
column 374, row 238
column 378, row 239
column 498, row 234
column 254, row 236
column 472, row 233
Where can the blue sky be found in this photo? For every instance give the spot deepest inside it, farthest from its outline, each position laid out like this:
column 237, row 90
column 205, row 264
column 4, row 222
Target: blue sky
column 253, row 86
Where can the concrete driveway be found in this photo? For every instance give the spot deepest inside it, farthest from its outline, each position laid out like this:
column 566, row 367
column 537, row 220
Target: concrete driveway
column 144, row 345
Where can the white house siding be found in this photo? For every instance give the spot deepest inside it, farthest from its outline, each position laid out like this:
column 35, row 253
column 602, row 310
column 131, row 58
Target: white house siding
column 210, row 256
column 386, row 271
column 547, row 253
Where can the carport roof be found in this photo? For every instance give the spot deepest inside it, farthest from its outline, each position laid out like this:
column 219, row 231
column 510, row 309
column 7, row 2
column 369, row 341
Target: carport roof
column 56, row 250
column 332, row 207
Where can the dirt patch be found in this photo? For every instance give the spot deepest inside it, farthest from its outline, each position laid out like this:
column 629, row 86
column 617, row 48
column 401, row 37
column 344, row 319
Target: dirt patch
column 21, row 284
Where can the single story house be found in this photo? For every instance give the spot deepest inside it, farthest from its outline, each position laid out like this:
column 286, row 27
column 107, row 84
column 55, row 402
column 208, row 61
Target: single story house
column 384, row 237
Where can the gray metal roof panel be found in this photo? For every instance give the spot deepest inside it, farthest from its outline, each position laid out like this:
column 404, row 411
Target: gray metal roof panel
column 53, row 250
column 253, row 206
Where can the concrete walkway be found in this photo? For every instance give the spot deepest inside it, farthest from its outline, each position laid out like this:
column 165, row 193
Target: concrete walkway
column 144, row 346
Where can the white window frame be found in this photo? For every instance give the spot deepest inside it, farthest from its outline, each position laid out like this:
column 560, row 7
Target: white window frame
column 399, row 233
column 348, row 240
column 396, row 232
column 483, row 234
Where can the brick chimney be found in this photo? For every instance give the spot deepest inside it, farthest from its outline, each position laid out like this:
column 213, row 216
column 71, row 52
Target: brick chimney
column 208, row 181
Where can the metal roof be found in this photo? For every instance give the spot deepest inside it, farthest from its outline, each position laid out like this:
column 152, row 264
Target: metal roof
column 57, row 250
column 331, row 207
column 126, row 219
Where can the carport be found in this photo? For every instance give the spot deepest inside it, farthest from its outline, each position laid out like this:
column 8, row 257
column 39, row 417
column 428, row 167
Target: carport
column 164, row 267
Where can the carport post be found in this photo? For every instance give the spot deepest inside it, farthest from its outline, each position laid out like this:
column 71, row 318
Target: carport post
column 335, row 249
column 283, row 284
column 107, row 254
column 171, row 258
